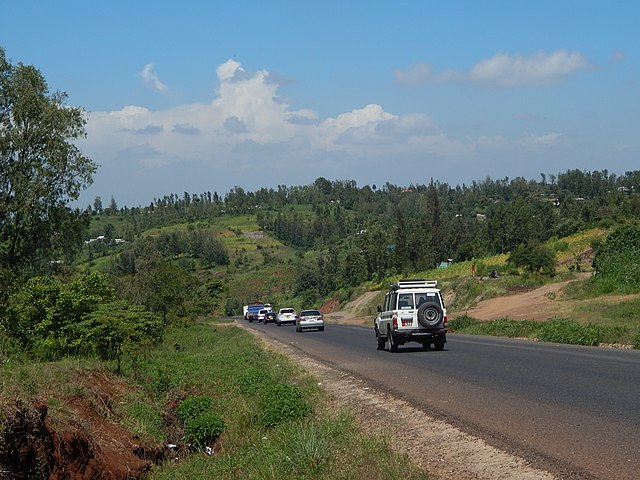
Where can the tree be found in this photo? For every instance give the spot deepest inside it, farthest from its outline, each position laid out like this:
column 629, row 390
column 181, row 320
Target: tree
column 169, row 286
column 41, row 170
column 534, row 257
column 97, row 205
column 44, row 312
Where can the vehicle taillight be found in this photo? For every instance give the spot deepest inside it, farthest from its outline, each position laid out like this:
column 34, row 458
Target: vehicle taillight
column 445, row 321
column 321, row 318
column 395, row 322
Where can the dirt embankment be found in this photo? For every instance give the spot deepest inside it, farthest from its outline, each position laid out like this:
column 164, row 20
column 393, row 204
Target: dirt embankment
column 84, row 442
column 541, row 303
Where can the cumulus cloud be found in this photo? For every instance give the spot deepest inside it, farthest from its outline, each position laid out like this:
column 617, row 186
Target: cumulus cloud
column 247, row 128
column 151, row 78
column 537, row 69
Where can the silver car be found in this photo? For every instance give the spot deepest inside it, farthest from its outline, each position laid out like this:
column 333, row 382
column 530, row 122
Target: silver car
column 310, row 319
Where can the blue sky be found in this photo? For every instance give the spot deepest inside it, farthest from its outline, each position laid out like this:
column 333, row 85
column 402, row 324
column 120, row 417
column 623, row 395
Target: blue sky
column 204, row 96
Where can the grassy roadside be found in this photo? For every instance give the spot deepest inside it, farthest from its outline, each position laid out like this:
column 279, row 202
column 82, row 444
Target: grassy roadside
column 272, row 420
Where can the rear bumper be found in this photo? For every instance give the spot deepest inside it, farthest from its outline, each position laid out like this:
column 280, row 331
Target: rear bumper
column 287, row 320
column 419, row 335
column 311, row 324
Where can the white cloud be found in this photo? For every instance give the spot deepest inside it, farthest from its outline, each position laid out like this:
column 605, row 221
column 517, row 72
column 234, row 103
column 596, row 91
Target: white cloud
column 421, row 73
column 151, row 78
column 504, row 70
column 533, row 141
column 617, row 57
column 537, row 69
column 248, row 131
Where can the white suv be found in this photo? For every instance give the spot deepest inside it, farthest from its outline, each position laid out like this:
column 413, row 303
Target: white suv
column 286, row 315
column 413, row 311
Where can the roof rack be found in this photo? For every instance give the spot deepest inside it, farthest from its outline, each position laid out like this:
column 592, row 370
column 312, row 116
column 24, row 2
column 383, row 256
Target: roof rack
column 414, row 283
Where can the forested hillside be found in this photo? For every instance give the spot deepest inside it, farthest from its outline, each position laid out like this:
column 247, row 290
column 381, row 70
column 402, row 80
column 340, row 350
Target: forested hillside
column 332, row 235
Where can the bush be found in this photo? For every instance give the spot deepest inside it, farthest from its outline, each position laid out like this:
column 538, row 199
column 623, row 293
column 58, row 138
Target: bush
column 253, row 379
column 280, row 403
column 617, row 260
column 534, row 257
column 570, row 331
column 203, row 429
column 192, row 407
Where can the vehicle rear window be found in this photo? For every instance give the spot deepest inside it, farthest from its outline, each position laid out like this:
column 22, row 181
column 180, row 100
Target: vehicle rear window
column 405, row 301
column 427, row 297
column 310, row 313
column 287, row 310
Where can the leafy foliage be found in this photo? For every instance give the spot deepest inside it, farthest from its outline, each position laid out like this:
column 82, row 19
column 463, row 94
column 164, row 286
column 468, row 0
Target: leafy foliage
column 534, row 257
column 193, row 406
column 203, row 430
column 52, row 318
column 281, row 403
column 41, row 170
column 617, row 260
column 201, row 425
column 44, row 312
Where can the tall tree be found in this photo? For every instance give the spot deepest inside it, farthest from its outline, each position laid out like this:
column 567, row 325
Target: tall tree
column 41, row 171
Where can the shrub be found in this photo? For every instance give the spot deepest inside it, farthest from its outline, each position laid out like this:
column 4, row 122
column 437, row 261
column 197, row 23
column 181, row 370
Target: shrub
column 203, row 429
column 192, row 407
column 280, row 403
column 617, row 260
column 636, row 342
column 253, row 379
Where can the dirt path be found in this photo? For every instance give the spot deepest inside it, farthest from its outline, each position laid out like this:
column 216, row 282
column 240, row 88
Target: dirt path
column 539, row 304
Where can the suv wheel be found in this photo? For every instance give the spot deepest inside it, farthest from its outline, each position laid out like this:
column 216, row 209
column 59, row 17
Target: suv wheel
column 380, row 341
column 393, row 346
column 429, row 314
column 439, row 343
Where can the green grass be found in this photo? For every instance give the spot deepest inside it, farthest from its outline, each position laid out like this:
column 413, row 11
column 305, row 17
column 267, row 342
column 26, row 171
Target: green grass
column 298, row 438
column 558, row 330
column 275, row 421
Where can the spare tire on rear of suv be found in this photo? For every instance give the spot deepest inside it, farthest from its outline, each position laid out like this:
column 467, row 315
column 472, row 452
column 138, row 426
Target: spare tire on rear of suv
column 429, row 314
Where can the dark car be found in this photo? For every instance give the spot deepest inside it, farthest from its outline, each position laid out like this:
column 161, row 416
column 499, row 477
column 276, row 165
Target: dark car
column 270, row 317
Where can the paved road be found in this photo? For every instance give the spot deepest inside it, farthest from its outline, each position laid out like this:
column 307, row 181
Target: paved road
column 574, row 411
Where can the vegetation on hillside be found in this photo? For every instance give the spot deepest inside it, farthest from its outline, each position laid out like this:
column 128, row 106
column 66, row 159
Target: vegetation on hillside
column 113, row 283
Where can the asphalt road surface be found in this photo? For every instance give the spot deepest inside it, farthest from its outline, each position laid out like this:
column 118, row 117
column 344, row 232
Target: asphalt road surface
column 574, row 411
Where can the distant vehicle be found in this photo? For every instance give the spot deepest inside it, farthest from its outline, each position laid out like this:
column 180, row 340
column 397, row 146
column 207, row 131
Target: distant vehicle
column 270, row 316
column 251, row 311
column 262, row 314
column 310, row 319
column 286, row 315
column 413, row 311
